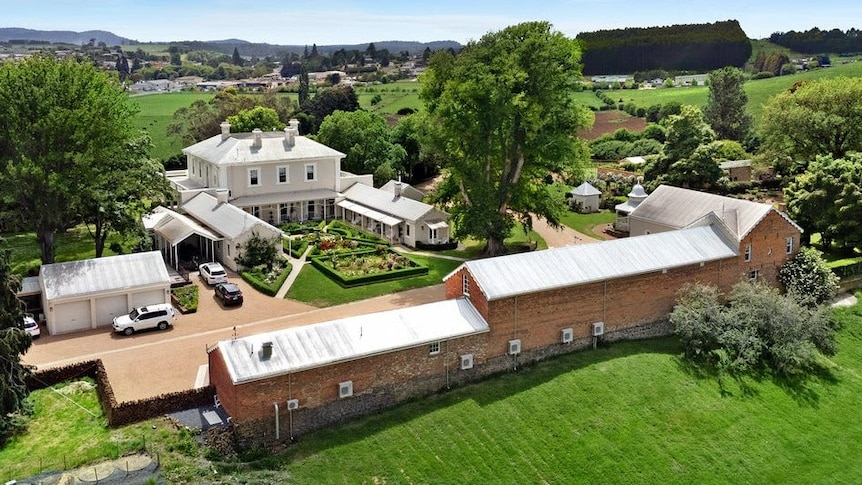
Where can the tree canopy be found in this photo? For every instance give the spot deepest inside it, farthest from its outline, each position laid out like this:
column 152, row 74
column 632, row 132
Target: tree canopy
column 675, row 48
column 503, row 114
column 815, row 118
column 65, row 125
column 14, row 342
column 725, row 107
column 366, row 141
column 262, row 118
column 326, row 102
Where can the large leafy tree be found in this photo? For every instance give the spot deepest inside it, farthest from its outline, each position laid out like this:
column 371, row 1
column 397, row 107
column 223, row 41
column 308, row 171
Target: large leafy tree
column 827, row 199
column 366, row 141
column 62, row 122
column 815, row 118
column 725, row 107
column 684, row 133
column 504, row 115
column 265, row 119
column 14, row 342
column 328, row 101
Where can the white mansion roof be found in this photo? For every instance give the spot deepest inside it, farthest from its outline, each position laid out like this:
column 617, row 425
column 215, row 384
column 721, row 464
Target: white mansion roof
column 677, row 208
column 90, row 276
column 309, row 346
column 384, row 201
column 523, row 273
column 238, row 149
column 226, row 219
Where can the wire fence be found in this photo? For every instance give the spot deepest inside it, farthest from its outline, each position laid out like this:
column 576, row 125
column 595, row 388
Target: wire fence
column 131, row 464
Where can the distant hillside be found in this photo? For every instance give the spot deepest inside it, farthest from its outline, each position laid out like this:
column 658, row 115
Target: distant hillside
column 61, row 36
column 692, row 47
column 248, row 49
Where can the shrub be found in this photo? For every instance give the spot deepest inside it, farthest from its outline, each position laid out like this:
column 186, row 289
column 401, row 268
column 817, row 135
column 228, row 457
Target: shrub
column 762, row 75
column 258, row 251
column 808, row 279
column 187, row 297
column 758, row 329
column 269, row 281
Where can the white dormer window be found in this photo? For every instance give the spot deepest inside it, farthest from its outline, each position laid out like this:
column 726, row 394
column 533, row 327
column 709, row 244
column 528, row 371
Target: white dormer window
column 748, row 252
column 310, row 172
column 253, row 177
column 283, row 175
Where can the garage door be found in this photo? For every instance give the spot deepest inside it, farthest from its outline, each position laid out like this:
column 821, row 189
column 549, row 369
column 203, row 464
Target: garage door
column 71, row 317
column 109, row 307
column 145, row 298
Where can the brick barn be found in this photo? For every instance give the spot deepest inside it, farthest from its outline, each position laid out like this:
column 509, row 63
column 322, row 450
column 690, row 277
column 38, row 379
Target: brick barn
column 500, row 313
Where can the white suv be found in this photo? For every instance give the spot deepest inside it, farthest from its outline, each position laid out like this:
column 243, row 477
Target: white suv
column 150, row 316
column 213, row 273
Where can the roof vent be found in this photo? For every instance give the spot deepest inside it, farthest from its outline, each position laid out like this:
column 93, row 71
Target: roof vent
column 266, row 350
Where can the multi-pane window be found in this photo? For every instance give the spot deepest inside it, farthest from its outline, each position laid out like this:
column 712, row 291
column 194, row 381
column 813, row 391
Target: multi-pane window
column 465, row 285
column 310, row 172
column 788, row 245
column 283, row 213
column 255, row 211
column 283, row 175
column 748, row 252
column 253, row 177
column 434, row 348
column 753, row 274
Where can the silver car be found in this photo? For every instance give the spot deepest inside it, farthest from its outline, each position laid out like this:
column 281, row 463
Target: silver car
column 151, row 316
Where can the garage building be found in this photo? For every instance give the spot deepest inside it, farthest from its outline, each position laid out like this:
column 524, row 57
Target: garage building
column 87, row 294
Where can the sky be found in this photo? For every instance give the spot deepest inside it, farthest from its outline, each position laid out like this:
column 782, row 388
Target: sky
column 356, row 22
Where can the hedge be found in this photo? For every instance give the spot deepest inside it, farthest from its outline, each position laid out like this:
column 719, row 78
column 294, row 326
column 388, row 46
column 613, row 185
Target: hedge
column 439, row 247
column 256, row 281
column 129, row 412
column 320, row 263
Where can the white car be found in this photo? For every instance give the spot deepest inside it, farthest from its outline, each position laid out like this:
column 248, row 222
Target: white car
column 31, row 327
column 151, row 316
column 213, row 273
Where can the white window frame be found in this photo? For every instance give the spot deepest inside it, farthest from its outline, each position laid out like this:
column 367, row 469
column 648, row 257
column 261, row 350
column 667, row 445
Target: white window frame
column 434, row 348
column 788, row 245
column 748, row 252
column 753, row 275
column 313, row 172
column 256, row 171
column 254, row 210
column 465, row 284
column 278, row 175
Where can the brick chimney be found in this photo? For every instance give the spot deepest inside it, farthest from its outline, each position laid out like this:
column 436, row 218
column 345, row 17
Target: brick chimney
column 225, row 130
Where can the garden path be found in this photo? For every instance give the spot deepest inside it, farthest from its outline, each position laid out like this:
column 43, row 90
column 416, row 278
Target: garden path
column 295, row 267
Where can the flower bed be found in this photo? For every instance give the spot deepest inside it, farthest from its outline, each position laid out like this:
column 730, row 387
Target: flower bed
column 185, row 298
column 267, row 282
column 369, row 266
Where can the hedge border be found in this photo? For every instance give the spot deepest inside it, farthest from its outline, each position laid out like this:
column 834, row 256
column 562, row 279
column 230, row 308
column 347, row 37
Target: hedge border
column 124, row 413
column 269, row 290
column 319, row 262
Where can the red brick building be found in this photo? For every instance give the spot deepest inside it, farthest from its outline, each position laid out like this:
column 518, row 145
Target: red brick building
column 500, row 313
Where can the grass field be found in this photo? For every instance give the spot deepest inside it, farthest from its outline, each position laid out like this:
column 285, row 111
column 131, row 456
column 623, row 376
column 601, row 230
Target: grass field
column 631, row 413
column 72, row 245
column 156, row 113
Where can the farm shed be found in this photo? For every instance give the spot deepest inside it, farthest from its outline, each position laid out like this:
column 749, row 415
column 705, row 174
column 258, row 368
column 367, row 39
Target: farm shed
column 87, row 294
column 587, row 197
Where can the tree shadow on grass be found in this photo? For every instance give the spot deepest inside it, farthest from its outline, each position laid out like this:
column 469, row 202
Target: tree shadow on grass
column 801, row 387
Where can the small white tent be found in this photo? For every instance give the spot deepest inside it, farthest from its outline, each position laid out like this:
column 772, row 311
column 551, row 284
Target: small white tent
column 587, row 197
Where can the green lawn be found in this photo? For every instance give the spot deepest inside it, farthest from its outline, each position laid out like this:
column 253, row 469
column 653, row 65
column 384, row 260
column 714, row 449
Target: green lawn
column 156, row 113
column 73, row 245
column 472, row 248
column 584, row 223
column 315, row 288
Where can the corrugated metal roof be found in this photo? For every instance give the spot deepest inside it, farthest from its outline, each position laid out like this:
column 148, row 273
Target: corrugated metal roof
column 586, row 189
column 226, row 219
column 309, row 346
column 676, row 207
column 407, row 190
column 385, row 201
column 373, row 214
column 727, row 165
column 91, row 276
column 524, row 273
column 237, row 149
column 30, row 286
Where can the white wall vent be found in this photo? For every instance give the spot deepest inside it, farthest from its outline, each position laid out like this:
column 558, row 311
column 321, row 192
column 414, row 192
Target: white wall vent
column 466, row 361
column 567, row 336
column 292, row 404
column 345, row 389
column 514, row 347
column 598, row 329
